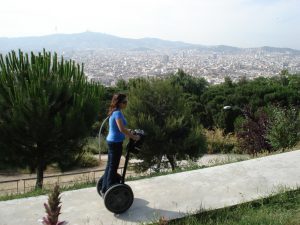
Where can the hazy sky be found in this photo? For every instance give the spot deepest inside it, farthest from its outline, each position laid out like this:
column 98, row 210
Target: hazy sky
column 241, row 23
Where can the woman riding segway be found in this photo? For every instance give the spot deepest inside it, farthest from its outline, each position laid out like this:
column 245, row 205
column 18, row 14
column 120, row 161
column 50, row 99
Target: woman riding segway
column 115, row 138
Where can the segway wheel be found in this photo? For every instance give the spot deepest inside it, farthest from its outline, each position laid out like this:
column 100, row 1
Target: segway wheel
column 118, row 198
column 99, row 183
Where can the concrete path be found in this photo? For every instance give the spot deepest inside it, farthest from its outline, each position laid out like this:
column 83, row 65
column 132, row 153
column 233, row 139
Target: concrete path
column 170, row 196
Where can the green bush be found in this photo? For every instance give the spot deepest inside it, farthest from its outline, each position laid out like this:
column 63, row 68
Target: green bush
column 284, row 128
column 88, row 160
column 103, row 146
column 92, row 145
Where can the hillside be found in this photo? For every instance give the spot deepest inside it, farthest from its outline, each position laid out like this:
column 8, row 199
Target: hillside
column 92, row 40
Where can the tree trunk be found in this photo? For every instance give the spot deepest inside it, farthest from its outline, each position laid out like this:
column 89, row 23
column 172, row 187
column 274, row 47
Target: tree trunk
column 171, row 161
column 156, row 168
column 39, row 177
column 40, row 173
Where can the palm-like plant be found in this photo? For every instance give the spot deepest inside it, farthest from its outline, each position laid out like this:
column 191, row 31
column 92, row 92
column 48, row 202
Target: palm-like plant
column 53, row 208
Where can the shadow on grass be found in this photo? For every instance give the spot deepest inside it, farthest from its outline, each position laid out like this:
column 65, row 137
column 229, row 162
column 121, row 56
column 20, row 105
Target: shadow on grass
column 141, row 212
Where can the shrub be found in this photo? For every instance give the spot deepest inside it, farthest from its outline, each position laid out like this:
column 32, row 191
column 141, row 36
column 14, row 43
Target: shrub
column 284, row 128
column 252, row 131
column 92, row 145
column 218, row 142
column 88, row 160
column 103, row 146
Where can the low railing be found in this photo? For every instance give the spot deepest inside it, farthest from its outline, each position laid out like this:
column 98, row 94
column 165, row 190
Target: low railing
column 19, row 186
column 24, row 185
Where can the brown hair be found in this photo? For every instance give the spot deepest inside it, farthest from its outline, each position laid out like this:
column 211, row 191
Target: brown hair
column 117, row 99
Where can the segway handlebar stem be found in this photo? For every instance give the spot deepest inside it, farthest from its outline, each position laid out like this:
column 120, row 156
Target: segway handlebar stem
column 132, row 147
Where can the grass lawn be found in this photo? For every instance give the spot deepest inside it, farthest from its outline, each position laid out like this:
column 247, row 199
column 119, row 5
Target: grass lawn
column 281, row 209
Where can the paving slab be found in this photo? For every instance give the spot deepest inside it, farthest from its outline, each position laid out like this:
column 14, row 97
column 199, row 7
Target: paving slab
column 171, row 196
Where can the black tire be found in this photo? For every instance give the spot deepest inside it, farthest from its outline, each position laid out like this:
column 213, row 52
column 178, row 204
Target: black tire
column 118, row 198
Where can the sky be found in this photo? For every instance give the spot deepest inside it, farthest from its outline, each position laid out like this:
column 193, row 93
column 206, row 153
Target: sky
column 240, row 23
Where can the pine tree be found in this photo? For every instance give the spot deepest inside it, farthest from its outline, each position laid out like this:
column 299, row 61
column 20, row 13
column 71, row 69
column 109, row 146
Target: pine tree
column 158, row 107
column 284, row 128
column 47, row 108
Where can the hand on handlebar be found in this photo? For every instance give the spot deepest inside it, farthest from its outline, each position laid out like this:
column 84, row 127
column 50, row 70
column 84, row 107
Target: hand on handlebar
column 136, row 137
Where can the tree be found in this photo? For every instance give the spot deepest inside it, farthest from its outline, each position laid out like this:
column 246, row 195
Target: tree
column 189, row 84
column 252, row 130
column 284, row 128
column 257, row 93
column 47, row 108
column 193, row 88
column 158, row 107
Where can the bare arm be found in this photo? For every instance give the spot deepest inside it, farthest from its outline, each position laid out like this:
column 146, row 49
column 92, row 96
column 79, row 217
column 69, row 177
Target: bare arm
column 125, row 130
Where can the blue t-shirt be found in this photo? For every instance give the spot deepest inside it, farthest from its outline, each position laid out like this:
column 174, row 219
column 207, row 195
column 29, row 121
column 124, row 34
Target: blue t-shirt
column 114, row 134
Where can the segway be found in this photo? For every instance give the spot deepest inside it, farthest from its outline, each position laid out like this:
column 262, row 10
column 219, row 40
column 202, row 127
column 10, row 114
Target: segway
column 119, row 197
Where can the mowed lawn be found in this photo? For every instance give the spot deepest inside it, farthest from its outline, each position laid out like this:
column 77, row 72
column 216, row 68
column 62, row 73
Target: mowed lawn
column 281, row 209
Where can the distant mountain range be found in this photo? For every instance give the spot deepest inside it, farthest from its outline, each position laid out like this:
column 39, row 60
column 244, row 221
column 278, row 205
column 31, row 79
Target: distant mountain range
column 93, row 41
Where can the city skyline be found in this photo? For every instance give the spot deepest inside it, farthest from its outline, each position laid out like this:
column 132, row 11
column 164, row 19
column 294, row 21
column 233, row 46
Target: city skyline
column 240, row 23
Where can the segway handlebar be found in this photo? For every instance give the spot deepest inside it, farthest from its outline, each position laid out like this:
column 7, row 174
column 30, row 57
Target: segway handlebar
column 135, row 146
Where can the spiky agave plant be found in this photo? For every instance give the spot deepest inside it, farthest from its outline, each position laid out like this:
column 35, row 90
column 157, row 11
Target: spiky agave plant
column 163, row 221
column 53, row 208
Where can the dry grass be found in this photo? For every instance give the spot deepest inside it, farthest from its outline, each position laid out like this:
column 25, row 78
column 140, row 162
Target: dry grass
column 218, row 142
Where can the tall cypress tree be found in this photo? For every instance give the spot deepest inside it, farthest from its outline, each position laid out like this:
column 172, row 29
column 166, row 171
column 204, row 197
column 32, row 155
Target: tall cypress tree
column 47, row 107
